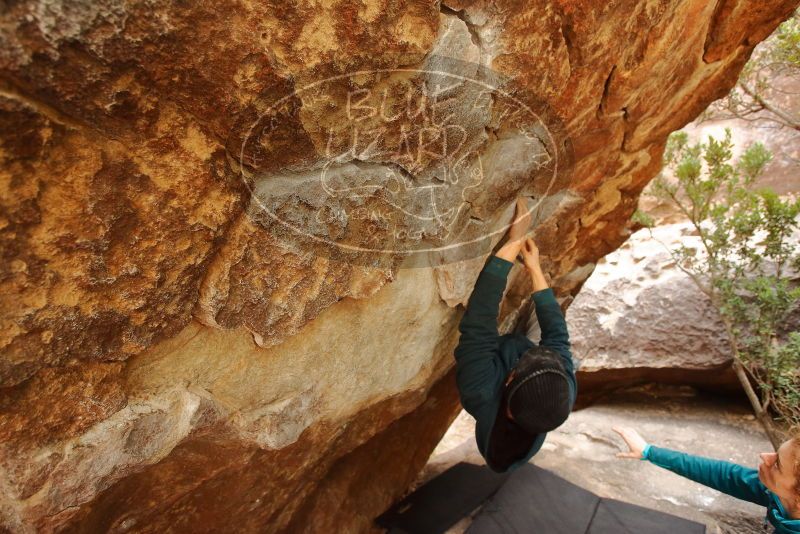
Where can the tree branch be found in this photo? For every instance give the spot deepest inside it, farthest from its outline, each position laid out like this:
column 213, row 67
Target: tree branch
column 787, row 119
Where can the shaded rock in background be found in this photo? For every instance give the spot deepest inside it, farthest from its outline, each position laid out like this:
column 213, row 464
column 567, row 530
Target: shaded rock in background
column 638, row 318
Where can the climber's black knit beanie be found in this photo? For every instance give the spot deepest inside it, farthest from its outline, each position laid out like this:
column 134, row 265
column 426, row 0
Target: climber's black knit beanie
column 538, row 395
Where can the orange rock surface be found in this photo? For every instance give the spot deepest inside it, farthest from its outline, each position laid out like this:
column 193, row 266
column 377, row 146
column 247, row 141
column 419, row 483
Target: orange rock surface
column 176, row 356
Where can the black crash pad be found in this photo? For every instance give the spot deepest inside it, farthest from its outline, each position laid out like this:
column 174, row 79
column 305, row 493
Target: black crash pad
column 443, row 501
column 528, row 500
column 537, row 501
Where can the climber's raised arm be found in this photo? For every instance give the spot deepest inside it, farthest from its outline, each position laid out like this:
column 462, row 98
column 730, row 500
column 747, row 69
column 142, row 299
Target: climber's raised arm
column 548, row 312
column 530, row 256
column 735, row 480
column 477, row 372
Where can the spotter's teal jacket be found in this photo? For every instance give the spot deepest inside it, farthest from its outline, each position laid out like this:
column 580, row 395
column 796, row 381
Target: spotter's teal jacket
column 735, row 480
column 484, row 358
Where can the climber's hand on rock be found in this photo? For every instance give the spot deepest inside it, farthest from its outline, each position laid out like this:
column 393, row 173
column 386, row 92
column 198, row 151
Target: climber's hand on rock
column 633, row 440
column 516, row 232
column 521, row 222
column 530, row 255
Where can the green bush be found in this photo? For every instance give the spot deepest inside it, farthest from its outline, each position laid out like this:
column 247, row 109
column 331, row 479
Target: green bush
column 744, row 265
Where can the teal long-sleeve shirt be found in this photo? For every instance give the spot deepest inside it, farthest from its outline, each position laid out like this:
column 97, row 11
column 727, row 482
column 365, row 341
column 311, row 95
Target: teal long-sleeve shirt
column 484, row 358
column 733, row 479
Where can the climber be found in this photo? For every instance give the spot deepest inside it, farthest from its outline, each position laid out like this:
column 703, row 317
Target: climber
column 516, row 390
column 775, row 484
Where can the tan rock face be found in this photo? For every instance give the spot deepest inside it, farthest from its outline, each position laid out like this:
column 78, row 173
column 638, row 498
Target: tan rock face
column 176, row 353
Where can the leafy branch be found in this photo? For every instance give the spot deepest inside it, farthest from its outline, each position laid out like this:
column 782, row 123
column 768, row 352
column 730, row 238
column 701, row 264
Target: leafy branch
column 744, row 263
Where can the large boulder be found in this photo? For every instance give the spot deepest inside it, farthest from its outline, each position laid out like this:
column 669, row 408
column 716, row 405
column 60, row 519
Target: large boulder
column 639, row 319
column 228, row 280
